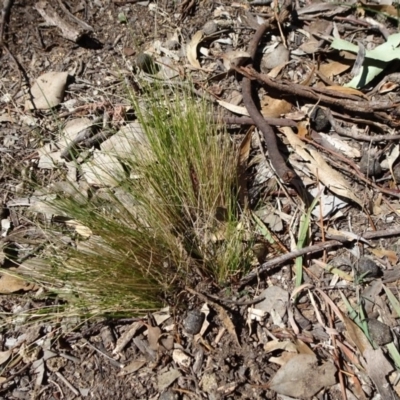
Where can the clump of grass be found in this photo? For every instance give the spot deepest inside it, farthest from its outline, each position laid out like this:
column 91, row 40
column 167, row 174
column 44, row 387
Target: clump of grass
column 173, row 218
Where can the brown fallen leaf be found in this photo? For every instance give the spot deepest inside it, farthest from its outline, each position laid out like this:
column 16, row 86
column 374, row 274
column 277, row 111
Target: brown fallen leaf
column 274, row 108
column 331, row 178
column 153, row 336
column 390, row 254
column 233, row 108
column 302, row 377
column 356, row 335
column 347, row 90
column 388, row 87
column 234, row 58
column 303, row 129
column 12, row 284
column 333, row 68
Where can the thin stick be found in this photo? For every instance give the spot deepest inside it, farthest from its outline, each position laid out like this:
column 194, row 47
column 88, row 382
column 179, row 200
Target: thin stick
column 311, row 249
column 5, row 12
column 286, row 257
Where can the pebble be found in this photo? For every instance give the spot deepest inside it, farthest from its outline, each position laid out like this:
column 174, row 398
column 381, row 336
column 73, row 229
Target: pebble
column 145, row 63
column 277, row 57
column 169, row 395
column 380, row 333
column 370, row 166
column 369, row 267
column 210, row 28
column 319, row 121
column 193, row 322
column 128, row 51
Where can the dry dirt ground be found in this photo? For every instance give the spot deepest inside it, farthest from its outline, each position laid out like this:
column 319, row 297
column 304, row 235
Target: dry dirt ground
column 241, row 350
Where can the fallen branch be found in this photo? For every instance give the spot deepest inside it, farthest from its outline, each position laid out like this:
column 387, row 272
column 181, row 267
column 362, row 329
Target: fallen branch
column 286, row 257
column 309, row 250
column 51, row 17
column 278, row 162
column 348, row 133
column 319, row 96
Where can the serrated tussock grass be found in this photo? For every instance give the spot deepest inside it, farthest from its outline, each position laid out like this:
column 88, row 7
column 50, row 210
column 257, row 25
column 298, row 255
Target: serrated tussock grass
column 171, row 220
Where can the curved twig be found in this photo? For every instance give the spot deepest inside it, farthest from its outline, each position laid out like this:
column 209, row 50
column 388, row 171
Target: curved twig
column 278, row 162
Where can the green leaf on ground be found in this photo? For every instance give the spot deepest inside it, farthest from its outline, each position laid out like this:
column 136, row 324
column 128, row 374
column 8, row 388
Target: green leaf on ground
column 375, row 61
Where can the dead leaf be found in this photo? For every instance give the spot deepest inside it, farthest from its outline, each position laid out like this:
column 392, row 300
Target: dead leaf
column 130, row 142
column 103, row 170
column 378, row 367
column 233, row 108
column 48, row 91
column 274, row 108
column 356, row 335
column 302, row 377
column 277, row 70
column 181, row 358
column 333, row 68
column 234, row 58
column 82, row 230
column 341, row 145
column 276, row 344
column 191, row 49
column 388, row 87
column 310, row 46
column 132, row 367
column 347, row 90
column 154, row 333
column 283, row 359
column 320, row 168
column 4, row 356
column 13, row 284
column 303, row 129
column 127, row 336
column 390, row 254
column 167, row 378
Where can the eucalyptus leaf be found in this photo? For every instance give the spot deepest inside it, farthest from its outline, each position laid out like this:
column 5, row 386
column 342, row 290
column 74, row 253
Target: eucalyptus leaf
column 375, row 61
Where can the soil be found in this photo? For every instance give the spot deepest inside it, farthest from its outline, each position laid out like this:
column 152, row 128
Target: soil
column 75, row 358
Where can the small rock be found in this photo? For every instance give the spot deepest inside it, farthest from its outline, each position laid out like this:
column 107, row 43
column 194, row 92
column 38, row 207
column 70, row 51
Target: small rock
column 128, row 51
column 210, row 27
column 380, row 333
column 319, row 120
column 369, row 165
column 146, row 63
column 193, row 322
column 277, row 57
column 368, row 268
column 169, row 395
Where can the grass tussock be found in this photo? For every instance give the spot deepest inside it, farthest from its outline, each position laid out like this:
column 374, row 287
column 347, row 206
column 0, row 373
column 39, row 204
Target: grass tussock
column 172, row 219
